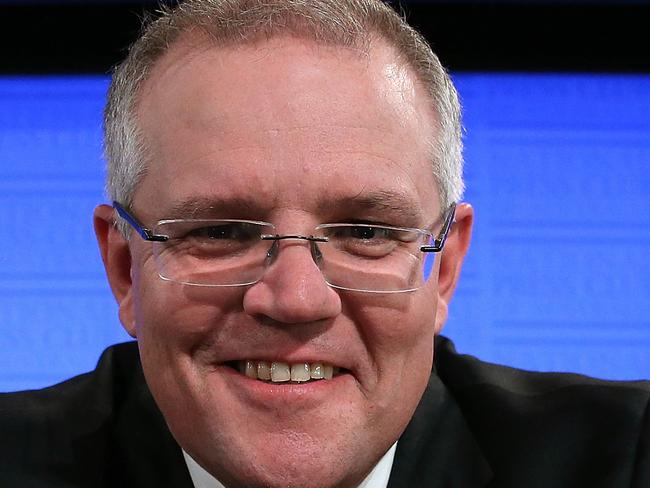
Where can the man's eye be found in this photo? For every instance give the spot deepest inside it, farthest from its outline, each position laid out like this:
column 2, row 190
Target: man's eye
column 368, row 233
column 237, row 232
column 218, row 240
column 213, row 232
column 362, row 234
column 363, row 241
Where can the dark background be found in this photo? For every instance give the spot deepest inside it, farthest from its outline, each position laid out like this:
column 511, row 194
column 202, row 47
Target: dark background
column 68, row 37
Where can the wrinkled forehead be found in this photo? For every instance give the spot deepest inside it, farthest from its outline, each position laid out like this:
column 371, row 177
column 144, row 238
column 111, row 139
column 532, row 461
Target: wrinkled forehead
column 286, row 110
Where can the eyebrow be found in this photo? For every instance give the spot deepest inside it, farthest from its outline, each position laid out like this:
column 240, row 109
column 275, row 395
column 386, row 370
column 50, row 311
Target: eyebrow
column 387, row 202
column 213, row 207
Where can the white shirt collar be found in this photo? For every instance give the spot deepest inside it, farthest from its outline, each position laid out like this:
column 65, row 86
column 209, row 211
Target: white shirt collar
column 378, row 477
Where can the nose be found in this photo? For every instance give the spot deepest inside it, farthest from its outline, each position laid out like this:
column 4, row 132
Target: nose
column 292, row 290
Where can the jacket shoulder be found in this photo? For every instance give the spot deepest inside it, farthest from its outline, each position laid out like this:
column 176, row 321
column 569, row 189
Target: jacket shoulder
column 465, row 371
column 93, row 391
column 573, row 426
column 64, row 430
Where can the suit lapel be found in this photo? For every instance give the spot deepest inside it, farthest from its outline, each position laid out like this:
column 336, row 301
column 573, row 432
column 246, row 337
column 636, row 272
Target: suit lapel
column 437, row 448
column 144, row 452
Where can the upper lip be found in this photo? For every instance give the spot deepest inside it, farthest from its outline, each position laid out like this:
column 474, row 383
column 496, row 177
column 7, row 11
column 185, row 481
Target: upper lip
column 292, row 359
column 290, row 352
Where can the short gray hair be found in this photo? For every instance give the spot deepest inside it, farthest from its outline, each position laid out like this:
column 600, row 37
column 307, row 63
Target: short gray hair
column 349, row 23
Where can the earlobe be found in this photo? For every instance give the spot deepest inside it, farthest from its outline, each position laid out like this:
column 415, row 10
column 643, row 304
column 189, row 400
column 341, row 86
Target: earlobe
column 441, row 316
column 452, row 259
column 116, row 257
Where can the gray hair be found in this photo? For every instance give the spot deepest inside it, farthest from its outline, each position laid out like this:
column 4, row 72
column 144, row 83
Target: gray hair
column 348, row 23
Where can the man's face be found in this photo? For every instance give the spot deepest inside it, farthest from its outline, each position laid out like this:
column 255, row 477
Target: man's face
column 295, row 134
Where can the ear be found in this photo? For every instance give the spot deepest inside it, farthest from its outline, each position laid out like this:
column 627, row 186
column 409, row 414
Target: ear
column 452, row 258
column 116, row 256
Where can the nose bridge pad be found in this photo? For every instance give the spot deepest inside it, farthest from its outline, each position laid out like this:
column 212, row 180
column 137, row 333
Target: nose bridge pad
column 272, row 253
column 316, row 254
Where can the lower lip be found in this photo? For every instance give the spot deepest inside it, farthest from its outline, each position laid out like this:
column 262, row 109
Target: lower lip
column 265, row 394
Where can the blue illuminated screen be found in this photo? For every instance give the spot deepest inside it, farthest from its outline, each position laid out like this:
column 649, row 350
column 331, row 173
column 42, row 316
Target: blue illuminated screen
column 557, row 278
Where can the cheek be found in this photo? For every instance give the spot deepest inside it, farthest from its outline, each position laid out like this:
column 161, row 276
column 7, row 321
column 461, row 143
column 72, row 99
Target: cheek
column 175, row 324
column 400, row 345
column 170, row 316
column 399, row 324
column 398, row 336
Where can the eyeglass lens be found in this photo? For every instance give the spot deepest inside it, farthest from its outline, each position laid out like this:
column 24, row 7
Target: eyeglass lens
column 230, row 253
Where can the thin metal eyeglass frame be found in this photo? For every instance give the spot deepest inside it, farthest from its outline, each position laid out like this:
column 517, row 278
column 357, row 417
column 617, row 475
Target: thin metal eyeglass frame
column 438, row 242
column 145, row 233
column 148, row 235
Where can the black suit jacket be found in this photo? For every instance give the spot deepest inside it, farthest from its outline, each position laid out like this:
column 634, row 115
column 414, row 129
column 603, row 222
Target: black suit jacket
column 478, row 425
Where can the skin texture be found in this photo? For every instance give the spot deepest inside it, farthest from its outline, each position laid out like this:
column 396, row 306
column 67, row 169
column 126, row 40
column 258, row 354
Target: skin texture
column 296, row 134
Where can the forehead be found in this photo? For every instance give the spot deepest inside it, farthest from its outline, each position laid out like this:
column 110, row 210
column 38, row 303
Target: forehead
column 288, row 121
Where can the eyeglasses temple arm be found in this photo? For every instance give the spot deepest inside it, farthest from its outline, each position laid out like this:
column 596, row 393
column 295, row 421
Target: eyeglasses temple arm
column 145, row 233
column 439, row 242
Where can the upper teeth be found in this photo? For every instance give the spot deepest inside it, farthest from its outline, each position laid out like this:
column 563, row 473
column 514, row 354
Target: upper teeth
column 279, row 372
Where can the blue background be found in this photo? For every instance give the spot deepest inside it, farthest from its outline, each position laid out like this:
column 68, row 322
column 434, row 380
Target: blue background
column 558, row 276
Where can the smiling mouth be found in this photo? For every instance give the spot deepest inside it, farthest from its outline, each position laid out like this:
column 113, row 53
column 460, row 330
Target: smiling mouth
column 279, row 372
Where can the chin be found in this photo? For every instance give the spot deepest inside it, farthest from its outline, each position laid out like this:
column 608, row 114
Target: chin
column 284, row 458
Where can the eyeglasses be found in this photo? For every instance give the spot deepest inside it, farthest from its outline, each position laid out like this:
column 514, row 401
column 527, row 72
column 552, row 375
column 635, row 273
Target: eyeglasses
column 232, row 252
